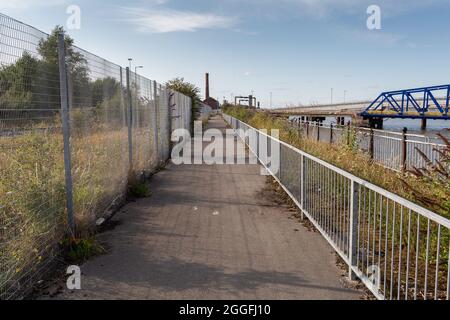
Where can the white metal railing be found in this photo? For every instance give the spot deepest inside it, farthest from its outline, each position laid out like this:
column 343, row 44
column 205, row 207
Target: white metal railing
column 393, row 150
column 398, row 249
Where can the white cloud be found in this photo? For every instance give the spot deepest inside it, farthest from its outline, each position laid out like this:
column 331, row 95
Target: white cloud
column 162, row 21
column 26, row 4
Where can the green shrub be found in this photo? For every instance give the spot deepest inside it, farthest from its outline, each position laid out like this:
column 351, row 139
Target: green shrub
column 80, row 250
column 139, row 190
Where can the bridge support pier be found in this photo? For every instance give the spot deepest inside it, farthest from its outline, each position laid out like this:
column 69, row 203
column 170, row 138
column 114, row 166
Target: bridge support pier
column 319, row 120
column 376, row 123
column 423, row 125
column 340, row 121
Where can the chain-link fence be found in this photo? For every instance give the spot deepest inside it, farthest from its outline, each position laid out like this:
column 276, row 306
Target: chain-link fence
column 74, row 128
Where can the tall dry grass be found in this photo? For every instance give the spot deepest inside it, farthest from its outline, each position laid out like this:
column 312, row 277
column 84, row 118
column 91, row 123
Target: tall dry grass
column 410, row 250
column 351, row 160
column 33, row 197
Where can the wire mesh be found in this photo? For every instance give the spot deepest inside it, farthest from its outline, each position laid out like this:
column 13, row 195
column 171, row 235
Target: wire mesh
column 98, row 131
column 32, row 194
column 145, row 124
column 108, row 119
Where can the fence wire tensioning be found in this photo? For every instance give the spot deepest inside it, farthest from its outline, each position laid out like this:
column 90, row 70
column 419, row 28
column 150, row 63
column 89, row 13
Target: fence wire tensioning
column 399, row 250
column 80, row 139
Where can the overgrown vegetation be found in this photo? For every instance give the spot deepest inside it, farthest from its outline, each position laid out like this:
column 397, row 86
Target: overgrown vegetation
column 139, row 189
column 348, row 158
column 33, row 217
column 387, row 233
column 436, row 175
column 80, row 250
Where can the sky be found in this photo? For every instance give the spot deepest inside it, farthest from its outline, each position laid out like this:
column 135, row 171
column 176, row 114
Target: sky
column 299, row 50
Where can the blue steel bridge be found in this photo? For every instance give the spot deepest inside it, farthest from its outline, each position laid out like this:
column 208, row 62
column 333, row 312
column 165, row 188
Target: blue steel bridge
column 419, row 103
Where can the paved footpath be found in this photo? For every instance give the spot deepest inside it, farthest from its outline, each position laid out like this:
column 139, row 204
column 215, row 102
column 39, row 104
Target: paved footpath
column 208, row 232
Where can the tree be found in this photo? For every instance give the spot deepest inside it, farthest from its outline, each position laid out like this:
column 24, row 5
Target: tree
column 18, row 82
column 190, row 90
column 32, row 82
column 77, row 69
column 104, row 89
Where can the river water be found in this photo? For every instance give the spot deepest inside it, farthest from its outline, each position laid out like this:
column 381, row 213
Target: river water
column 413, row 126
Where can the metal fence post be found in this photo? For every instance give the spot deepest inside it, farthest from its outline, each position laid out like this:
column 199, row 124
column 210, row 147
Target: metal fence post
column 129, row 121
column 155, row 121
column 64, row 93
column 354, row 224
column 169, row 125
column 307, row 129
column 331, row 133
column 318, row 131
column 371, row 144
column 404, row 149
column 302, row 183
column 348, row 134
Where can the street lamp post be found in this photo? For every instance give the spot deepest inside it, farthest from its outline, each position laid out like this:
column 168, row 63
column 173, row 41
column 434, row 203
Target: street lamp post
column 138, row 67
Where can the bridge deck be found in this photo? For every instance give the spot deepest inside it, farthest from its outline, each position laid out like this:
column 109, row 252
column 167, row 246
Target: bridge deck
column 211, row 232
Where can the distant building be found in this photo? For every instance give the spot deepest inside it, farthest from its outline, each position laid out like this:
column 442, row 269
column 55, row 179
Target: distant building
column 213, row 103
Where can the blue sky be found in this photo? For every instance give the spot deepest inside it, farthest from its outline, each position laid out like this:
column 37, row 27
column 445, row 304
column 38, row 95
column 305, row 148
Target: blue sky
column 297, row 49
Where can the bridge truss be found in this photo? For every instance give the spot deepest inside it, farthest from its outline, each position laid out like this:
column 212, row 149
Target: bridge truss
column 407, row 104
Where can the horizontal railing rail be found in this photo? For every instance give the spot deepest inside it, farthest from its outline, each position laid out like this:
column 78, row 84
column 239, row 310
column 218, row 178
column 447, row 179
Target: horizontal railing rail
column 385, row 147
column 397, row 248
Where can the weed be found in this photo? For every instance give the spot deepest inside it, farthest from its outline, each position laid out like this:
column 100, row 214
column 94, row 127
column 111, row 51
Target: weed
column 139, row 190
column 80, row 250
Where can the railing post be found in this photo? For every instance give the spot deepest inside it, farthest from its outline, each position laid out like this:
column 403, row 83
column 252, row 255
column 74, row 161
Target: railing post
column 348, row 134
column 307, row 129
column 64, row 93
column 129, row 121
column 354, row 225
column 404, row 149
column 155, row 121
column 371, row 144
column 302, row 184
column 318, row 131
column 331, row 133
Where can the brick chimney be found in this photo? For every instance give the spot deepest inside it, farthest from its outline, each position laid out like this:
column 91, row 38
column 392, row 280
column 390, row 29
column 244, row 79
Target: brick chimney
column 207, row 86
